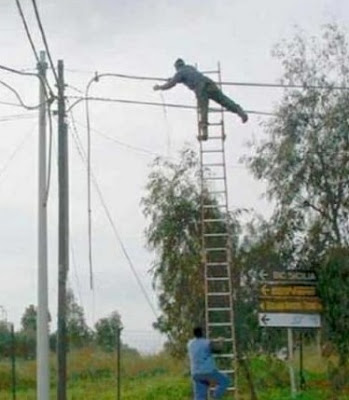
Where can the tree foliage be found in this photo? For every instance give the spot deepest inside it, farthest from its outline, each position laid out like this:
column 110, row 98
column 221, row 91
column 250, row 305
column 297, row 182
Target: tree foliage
column 305, row 158
column 107, row 331
column 172, row 206
column 305, row 162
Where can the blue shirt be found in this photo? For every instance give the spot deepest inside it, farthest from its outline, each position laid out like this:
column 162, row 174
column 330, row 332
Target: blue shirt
column 200, row 356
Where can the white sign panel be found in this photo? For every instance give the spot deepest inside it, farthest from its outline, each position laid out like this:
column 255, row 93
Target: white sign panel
column 289, row 320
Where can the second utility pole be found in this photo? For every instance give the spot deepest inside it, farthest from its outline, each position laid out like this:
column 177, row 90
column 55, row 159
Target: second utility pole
column 63, row 239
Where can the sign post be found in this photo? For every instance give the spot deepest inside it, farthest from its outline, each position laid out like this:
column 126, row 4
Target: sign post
column 288, row 298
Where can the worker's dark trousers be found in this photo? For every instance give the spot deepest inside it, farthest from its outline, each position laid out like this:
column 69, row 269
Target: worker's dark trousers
column 209, row 90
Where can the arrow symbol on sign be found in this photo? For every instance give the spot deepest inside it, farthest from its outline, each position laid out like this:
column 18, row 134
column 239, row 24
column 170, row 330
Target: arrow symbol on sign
column 264, row 319
column 263, row 275
column 266, row 291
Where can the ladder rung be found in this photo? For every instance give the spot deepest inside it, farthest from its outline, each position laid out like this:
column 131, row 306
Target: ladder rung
column 220, row 137
column 213, row 165
column 212, row 151
column 224, row 355
column 220, row 339
column 218, row 294
column 214, row 205
column 218, row 279
column 210, row 72
column 215, row 123
column 219, row 309
column 213, row 178
column 217, row 191
column 216, row 249
column 213, row 264
column 215, row 234
column 214, row 220
column 219, row 324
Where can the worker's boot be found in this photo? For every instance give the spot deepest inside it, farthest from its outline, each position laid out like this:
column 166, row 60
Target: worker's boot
column 203, row 131
column 242, row 114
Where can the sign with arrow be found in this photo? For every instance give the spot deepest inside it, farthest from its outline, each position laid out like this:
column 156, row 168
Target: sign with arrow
column 288, row 276
column 289, row 320
column 287, row 290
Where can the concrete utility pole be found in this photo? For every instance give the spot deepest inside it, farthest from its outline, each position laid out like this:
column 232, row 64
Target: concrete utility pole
column 63, row 239
column 42, row 334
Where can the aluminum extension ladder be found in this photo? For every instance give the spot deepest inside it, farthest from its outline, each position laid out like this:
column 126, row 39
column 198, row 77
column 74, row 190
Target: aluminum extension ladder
column 217, row 242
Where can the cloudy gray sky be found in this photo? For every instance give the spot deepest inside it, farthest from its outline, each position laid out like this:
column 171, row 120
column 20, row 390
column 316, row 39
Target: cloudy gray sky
column 138, row 37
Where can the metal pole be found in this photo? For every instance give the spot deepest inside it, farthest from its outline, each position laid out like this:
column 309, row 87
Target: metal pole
column 118, row 368
column 290, row 361
column 13, row 362
column 63, row 239
column 301, row 372
column 42, row 334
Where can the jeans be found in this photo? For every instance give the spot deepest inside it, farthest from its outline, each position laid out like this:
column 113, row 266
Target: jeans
column 201, row 383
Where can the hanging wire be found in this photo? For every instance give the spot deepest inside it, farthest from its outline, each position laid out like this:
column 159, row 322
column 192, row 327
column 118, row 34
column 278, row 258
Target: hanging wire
column 21, row 102
column 168, row 129
column 19, row 7
column 49, row 162
column 230, row 83
column 152, row 103
column 83, row 156
column 43, row 35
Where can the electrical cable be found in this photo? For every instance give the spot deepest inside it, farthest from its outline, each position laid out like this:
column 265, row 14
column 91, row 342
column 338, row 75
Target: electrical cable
column 152, row 103
column 21, row 103
column 83, row 156
column 38, row 19
column 26, row 28
column 19, row 7
column 230, row 83
column 123, row 144
column 89, row 207
column 16, row 117
column 49, row 162
column 14, row 153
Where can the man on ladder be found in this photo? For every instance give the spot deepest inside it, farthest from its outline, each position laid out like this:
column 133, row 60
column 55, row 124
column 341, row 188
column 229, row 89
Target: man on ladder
column 203, row 368
column 205, row 89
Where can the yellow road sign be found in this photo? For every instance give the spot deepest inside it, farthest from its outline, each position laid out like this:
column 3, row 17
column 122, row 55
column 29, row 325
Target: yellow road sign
column 287, row 290
column 301, row 304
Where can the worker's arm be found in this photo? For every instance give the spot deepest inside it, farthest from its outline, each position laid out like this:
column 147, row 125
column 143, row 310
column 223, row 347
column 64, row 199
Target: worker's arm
column 170, row 83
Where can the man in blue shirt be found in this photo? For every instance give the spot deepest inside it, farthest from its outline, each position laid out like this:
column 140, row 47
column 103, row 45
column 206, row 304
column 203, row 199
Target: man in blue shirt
column 205, row 89
column 203, row 368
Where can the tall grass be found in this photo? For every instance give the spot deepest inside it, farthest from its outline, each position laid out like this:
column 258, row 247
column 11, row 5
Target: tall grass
column 92, row 376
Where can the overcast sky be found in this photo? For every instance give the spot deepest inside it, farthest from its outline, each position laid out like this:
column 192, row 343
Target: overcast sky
column 138, row 37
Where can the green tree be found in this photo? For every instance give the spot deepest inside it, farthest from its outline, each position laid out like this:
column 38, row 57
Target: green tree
column 107, row 331
column 26, row 338
column 172, row 205
column 5, row 339
column 305, row 159
column 78, row 332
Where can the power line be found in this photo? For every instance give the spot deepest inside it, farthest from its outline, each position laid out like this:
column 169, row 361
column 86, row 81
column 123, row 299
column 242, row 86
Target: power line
column 14, row 153
column 152, row 103
column 38, row 19
column 82, row 154
column 27, row 30
column 227, row 83
column 21, row 102
column 121, row 143
column 16, row 117
column 24, row 73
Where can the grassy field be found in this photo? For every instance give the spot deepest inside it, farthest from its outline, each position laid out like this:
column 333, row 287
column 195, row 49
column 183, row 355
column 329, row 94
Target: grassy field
column 92, row 375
